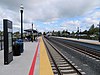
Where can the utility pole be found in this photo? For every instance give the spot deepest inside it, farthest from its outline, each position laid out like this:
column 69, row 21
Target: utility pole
column 78, row 33
column 99, row 32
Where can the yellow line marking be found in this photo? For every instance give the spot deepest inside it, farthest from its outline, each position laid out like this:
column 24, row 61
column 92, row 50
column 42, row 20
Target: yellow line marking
column 45, row 67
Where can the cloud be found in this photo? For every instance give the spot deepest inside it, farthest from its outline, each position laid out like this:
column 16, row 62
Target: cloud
column 71, row 23
column 90, row 21
column 96, row 15
column 47, row 11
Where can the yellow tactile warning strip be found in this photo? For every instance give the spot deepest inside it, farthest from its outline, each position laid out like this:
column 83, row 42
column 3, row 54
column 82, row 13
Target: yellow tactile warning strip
column 45, row 67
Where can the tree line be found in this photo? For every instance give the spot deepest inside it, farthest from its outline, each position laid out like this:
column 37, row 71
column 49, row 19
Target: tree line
column 92, row 33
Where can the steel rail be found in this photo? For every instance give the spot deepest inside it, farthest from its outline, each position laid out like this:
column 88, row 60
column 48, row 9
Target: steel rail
column 77, row 71
column 80, row 49
column 59, row 73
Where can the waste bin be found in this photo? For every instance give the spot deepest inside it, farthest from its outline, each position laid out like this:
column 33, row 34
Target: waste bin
column 20, row 42
column 16, row 49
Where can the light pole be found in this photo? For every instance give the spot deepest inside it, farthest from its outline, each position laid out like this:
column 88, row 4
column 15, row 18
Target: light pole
column 1, row 39
column 32, row 33
column 32, row 29
column 32, row 26
column 21, row 11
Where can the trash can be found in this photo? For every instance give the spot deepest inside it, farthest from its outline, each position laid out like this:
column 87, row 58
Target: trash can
column 20, row 42
column 16, row 49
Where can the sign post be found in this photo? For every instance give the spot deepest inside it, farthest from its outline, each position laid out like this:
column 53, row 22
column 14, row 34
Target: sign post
column 8, row 42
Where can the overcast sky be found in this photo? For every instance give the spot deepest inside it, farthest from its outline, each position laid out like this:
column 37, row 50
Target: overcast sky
column 48, row 15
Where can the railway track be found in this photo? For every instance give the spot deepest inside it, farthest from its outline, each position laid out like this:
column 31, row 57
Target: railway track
column 83, row 49
column 60, row 64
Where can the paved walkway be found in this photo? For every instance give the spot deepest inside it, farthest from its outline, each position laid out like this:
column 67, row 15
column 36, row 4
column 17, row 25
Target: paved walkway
column 21, row 64
column 33, row 61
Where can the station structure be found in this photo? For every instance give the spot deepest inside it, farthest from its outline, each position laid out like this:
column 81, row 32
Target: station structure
column 34, row 61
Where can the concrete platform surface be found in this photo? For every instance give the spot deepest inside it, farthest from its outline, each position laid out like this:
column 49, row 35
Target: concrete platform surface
column 21, row 64
column 82, row 40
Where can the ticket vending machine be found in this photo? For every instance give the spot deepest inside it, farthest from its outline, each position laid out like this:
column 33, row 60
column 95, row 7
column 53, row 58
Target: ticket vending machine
column 8, row 41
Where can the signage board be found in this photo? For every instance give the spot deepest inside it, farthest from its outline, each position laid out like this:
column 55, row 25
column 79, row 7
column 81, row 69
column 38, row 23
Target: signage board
column 8, row 42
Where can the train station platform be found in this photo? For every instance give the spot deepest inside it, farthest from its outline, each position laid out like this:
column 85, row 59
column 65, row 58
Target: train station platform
column 95, row 42
column 33, row 61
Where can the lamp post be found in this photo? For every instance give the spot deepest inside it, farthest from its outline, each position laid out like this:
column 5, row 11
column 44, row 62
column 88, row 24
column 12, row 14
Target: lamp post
column 32, row 29
column 1, row 39
column 32, row 33
column 21, row 11
column 32, row 26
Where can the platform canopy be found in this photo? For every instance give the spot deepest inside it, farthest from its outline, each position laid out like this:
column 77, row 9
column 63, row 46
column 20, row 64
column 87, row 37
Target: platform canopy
column 31, row 30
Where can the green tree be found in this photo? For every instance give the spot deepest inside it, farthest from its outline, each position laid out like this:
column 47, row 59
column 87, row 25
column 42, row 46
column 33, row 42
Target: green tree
column 17, row 34
column 73, row 32
column 58, row 33
column 44, row 33
column 85, row 32
column 53, row 33
column 91, row 30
